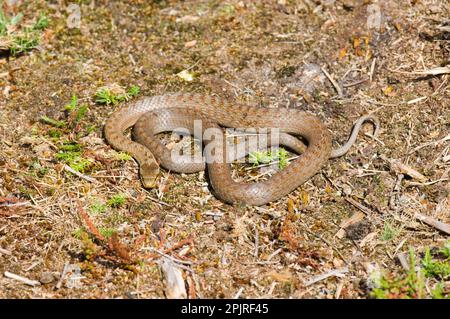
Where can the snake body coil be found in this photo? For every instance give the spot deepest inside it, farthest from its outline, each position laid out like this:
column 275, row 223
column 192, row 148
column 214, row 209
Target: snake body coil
column 158, row 113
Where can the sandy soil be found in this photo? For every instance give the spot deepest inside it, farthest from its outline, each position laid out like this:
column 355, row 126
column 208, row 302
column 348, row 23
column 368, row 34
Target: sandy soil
column 255, row 52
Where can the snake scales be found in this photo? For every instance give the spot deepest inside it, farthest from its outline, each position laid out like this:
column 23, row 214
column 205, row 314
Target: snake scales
column 152, row 115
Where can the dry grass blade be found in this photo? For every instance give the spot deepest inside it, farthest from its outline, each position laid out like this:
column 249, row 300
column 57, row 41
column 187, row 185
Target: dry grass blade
column 24, row 280
column 434, row 71
column 434, row 223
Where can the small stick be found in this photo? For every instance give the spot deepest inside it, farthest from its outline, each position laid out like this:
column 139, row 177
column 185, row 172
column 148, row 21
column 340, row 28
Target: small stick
column 24, row 280
column 155, row 199
column 74, row 172
column 271, row 163
column 372, row 69
column 339, row 290
column 276, row 252
column 223, row 259
column 335, row 84
column 179, row 261
column 403, row 261
column 434, row 223
column 271, row 288
column 63, row 276
column 328, row 243
column 347, row 85
column 256, row 253
column 428, row 183
column 259, row 262
column 334, row 272
column 447, row 138
column 33, row 265
column 239, row 293
column 362, row 208
column 5, row 252
column 396, row 190
column 434, row 71
column 417, row 100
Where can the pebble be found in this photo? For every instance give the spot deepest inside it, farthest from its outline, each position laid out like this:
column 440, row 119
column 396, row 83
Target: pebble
column 47, row 277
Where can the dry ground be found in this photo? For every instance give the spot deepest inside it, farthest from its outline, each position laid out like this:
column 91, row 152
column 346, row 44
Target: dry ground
column 255, row 52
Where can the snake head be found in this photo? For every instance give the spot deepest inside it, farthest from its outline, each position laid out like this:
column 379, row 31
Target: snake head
column 148, row 173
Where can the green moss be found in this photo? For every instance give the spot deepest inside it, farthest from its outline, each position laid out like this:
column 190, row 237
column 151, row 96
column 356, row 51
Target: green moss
column 445, row 251
column 16, row 38
column 117, row 200
column 122, row 156
column 390, row 231
column 406, row 287
column 107, row 96
column 435, row 268
column 70, row 153
column 98, row 208
column 77, row 233
column 38, row 170
column 107, row 232
column 412, row 283
column 52, row 122
column 267, row 157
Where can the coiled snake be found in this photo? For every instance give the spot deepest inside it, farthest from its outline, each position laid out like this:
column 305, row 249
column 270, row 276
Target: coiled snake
column 152, row 115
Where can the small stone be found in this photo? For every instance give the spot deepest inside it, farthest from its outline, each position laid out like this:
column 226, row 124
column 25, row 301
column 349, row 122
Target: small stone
column 47, row 277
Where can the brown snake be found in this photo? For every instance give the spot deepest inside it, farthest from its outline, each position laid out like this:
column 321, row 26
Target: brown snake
column 156, row 114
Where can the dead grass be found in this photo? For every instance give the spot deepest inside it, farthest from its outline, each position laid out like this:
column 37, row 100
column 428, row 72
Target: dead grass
column 255, row 53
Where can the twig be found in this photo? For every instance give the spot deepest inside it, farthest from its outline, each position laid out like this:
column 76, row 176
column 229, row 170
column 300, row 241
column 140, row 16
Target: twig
column 428, row 183
column 346, row 85
column 417, row 100
column 272, row 288
column 403, row 261
column 372, row 69
column 276, row 252
column 239, row 293
column 434, row 223
column 24, row 280
column 155, row 199
column 335, row 84
column 172, row 258
column 63, row 276
column 256, row 253
column 339, row 290
column 362, row 208
column 33, row 265
column 334, row 272
column 447, row 138
column 74, row 172
column 271, row 163
column 395, row 191
column 434, row 71
column 326, row 242
column 5, row 252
